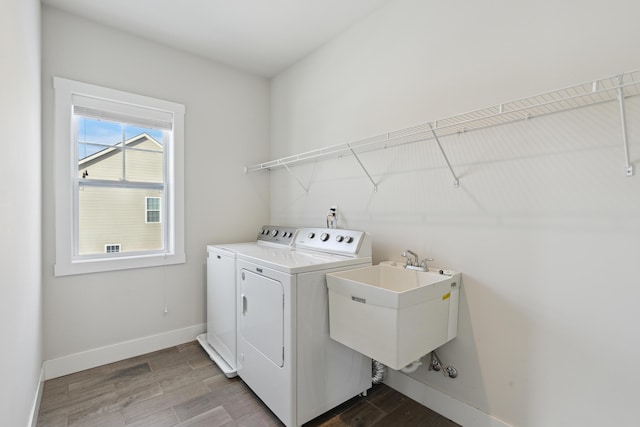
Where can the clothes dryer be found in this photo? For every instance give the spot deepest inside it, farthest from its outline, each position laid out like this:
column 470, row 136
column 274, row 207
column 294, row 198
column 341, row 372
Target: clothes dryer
column 220, row 339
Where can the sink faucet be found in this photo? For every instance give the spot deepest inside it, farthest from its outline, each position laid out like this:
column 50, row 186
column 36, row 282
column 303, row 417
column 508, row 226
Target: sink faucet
column 406, row 254
column 413, row 262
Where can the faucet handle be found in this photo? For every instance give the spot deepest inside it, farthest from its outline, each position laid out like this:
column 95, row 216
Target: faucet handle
column 423, row 263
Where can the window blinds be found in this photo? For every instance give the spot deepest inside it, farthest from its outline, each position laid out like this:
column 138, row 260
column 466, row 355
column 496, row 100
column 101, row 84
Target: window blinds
column 102, row 109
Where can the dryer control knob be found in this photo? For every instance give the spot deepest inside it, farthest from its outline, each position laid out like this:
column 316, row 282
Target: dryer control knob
column 339, row 238
column 274, row 233
column 348, row 239
column 311, row 235
column 324, row 237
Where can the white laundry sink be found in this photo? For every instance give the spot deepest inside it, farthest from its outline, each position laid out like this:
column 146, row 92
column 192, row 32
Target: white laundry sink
column 392, row 314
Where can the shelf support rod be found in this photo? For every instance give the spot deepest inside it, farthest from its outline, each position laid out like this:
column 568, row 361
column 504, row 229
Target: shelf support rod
column 628, row 165
column 456, row 182
column 375, row 186
column 306, row 189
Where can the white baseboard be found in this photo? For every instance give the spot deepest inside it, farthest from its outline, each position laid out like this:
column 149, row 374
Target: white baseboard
column 456, row 410
column 35, row 409
column 112, row 353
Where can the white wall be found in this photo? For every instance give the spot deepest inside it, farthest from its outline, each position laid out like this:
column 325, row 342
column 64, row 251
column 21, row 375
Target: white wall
column 226, row 127
column 545, row 224
column 20, row 214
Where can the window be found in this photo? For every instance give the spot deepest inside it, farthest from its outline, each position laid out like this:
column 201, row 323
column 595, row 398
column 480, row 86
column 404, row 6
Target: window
column 112, row 248
column 152, row 210
column 119, row 177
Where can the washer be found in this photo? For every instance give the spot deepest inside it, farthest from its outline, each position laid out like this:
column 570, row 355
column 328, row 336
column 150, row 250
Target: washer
column 285, row 353
column 220, row 339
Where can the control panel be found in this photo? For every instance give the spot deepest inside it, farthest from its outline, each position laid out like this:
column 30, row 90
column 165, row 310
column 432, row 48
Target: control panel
column 277, row 234
column 332, row 240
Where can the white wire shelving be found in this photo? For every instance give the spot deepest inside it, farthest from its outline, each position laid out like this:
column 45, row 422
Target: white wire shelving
column 614, row 88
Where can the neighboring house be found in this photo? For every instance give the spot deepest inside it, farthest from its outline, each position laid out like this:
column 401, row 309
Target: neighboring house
column 116, row 218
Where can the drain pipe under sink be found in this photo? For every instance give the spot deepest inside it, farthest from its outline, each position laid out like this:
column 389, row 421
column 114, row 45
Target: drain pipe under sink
column 411, row 367
column 378, row 370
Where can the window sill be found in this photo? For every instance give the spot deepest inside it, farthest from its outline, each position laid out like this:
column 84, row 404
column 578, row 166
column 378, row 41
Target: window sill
column 114, row 264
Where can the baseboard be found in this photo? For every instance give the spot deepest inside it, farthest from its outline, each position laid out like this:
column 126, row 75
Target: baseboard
column 35, row 409
column 456, row 410
column 112, row 353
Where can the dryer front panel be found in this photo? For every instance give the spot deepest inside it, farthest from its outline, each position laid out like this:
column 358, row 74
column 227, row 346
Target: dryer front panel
column 221, row 306
column 262, row 314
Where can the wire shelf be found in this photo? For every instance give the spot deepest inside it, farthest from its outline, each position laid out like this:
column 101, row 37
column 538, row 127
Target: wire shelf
column 582, row 95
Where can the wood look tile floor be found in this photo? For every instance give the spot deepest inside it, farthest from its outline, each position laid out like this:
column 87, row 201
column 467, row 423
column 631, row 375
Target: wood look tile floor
column 181, row 386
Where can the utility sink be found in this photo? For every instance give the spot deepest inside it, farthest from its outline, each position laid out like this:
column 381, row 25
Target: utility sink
column 392, row 314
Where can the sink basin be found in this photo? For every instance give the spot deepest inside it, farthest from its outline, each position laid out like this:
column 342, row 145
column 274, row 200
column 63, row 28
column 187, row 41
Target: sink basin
column 392, row 314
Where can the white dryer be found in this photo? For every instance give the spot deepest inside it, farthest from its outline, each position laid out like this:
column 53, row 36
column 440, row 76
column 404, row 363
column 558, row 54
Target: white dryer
column 285, row 353
column 220, row 339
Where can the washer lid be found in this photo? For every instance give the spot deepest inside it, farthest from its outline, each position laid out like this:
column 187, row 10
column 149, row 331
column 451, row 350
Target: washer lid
column 230, row 249
column 296, row 261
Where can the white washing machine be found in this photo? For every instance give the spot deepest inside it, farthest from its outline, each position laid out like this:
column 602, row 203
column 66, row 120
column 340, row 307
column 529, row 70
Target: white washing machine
column 220, row 339
column 285, row 353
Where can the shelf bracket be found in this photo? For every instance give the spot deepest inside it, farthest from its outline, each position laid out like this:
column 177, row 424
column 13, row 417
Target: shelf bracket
column 456, row 181
column 306, row 189
column 628, row 165
column 375, row 186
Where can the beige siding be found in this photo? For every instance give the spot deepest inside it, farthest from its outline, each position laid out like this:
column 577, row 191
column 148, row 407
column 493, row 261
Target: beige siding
column 118, row 215
column 142, row 166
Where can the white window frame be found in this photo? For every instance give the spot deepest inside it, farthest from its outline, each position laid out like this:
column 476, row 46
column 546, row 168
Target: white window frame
column 147, row 210
column 65, row 172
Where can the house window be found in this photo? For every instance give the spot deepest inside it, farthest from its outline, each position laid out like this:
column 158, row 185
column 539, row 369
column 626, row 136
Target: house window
column 115, row 150
column 112, row 248
column 152, row 207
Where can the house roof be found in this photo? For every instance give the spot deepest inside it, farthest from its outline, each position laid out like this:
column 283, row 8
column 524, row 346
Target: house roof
column 138, row 139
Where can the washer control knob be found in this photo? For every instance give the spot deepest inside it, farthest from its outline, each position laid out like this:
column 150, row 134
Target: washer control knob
column 324, row 237
column 274, row 233
column 348, row 239
column 311, row 235
column 339, row 238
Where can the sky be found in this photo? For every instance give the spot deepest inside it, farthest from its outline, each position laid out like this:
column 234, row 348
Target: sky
column 107, row 133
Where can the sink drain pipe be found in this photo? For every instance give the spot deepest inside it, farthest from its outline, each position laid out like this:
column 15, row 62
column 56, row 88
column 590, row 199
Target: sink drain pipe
column 411, row 367
column 377, row 370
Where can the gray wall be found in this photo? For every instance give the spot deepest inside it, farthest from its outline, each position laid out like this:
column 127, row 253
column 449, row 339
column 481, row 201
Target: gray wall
column 20, row 191
column 226, row 126
column 544, row 226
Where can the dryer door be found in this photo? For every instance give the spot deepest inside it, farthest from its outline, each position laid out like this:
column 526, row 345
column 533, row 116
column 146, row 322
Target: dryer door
column 262, row 314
